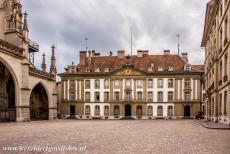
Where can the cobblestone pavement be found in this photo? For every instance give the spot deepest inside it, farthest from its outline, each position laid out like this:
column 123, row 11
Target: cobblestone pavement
column 118, row 136
column 213, row 125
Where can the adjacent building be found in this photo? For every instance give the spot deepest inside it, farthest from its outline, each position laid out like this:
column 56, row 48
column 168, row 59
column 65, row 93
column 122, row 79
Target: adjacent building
column 139, row 86
column 216, row 40
column 26, row 93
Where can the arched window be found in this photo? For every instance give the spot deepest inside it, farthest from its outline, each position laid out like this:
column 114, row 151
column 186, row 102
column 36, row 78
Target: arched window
column 139, row 110
column 170, row 110
column 116, row 110
column 87, row 110
column 160, row 111
column 150, row 111
column 97, row 110
column 106, row 110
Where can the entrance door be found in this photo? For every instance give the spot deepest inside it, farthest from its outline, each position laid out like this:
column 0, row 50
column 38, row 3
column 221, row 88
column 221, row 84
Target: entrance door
column 187, row 111
column 127, row 110
column 72, row 110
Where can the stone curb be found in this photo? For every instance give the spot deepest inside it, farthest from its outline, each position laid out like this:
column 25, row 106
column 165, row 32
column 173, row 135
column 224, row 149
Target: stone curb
column 206, row 126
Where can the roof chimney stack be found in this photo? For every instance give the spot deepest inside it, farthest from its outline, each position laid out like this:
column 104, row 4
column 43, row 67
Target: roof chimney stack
column 121, row 53
column 184, row 56
column 166, row 52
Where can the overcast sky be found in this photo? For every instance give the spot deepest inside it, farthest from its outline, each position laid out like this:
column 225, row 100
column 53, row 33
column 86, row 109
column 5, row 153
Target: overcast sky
column 107, row 23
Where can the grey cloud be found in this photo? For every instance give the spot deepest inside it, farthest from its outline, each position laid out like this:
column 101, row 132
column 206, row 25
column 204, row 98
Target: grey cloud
column 107, row 24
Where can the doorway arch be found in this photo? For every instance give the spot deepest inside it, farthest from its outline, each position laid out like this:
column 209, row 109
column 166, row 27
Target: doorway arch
column 128, row 110
column 187, row 111
column 39, row 108
column 8, row 97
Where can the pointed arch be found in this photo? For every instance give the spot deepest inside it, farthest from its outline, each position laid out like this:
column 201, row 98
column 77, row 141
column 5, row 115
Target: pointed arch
column 39, row 102
column 9, row 92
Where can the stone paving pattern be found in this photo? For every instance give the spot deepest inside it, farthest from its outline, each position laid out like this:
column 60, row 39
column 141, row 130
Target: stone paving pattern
column 119, row 136
column 213, row 125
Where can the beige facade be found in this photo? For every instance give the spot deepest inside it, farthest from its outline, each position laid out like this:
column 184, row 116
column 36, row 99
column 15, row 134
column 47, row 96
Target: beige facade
column 139, row 86
column 26, row 93
column 216, row 40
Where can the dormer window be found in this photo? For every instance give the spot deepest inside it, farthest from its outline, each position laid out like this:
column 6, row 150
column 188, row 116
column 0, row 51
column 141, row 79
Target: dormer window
column 187, row 68
column 170, row 68
column 106, row 69
column 87, row 69
column 160, row 69
column 150, row 69
column 97, row 70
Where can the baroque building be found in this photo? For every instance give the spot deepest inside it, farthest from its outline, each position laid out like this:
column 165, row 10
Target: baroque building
column 138, row 86
column 26, row 93
column 216, row 40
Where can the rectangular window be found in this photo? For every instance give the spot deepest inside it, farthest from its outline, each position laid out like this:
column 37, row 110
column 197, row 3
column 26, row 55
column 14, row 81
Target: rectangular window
column 106, row 84
column 72, row 84
column 225, row 102
column 127, row 96
column 187, row 83
column 87, row 84
column 170, row 83
column 187, row 96
column 97, row 84
column 97, row 110
column 139, row 83
column 72, row 96
column 226, row 30
column 150, row 83
column 225, row 65
column 106, row 96
column 139, row 96
column 128, row 84
column 150, row 96
column 117, row 84
column 170, row 96
column 160, row 83
column 87, row 96
column 97, row 96
column 117, row 96
column 160, row 96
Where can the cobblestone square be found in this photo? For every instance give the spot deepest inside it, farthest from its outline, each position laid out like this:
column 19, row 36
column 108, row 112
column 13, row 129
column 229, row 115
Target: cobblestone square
column 118, row 136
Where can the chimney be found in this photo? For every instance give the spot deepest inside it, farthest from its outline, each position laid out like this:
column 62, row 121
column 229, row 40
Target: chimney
column 110, row 53
column 82, row 57
column 145, row 52
column 139, row 53
column 166, row 52
column 93, row 53
column 121, row 53
column 184, row 56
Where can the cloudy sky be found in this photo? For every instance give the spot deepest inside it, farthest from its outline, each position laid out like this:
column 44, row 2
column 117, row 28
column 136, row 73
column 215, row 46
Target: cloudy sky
column 106, row 24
